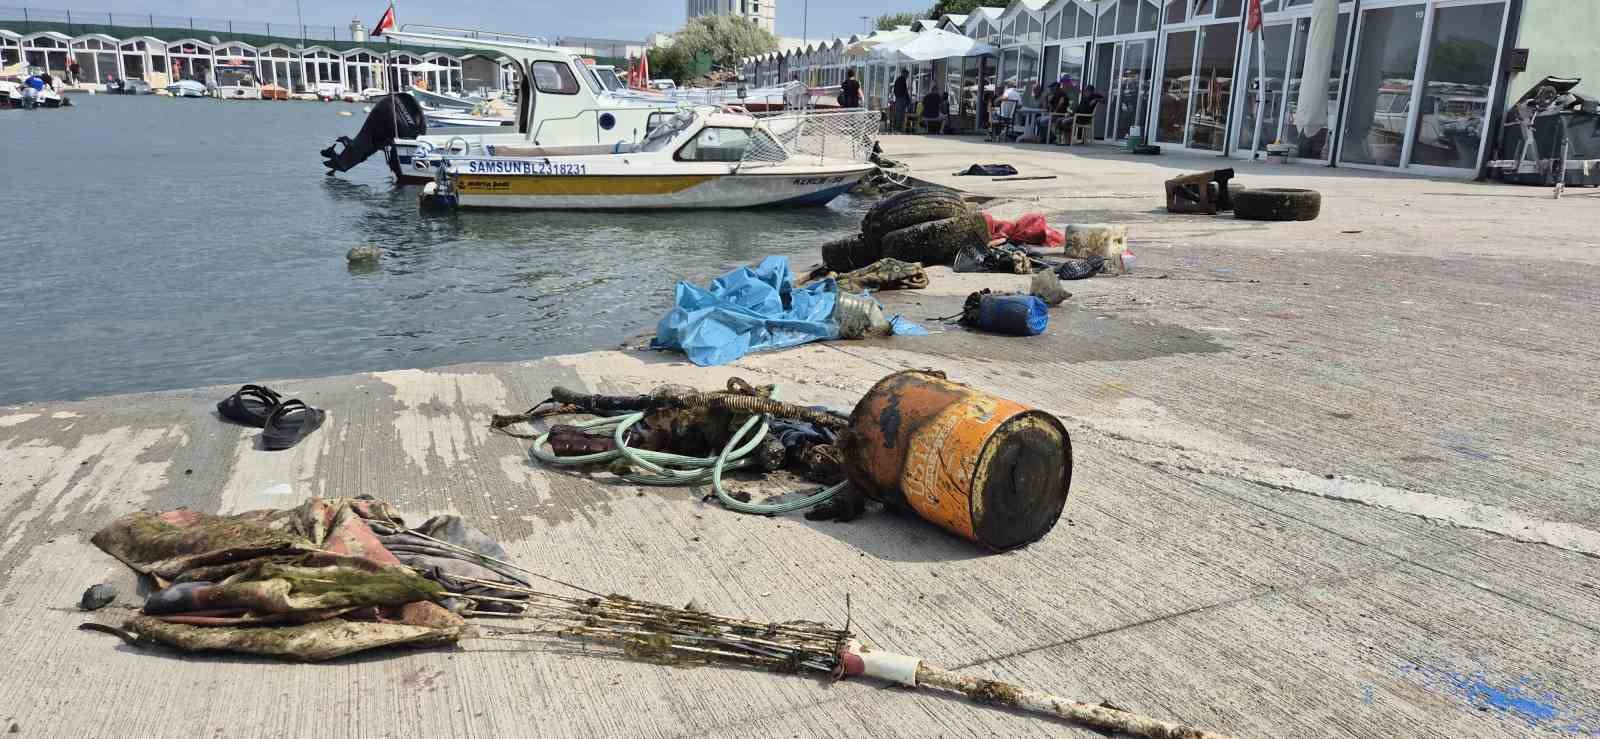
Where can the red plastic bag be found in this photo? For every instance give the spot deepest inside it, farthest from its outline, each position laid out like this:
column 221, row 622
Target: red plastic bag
column 1029, row 229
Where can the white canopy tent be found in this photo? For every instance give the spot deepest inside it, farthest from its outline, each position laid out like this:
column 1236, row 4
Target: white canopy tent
column 932, row 45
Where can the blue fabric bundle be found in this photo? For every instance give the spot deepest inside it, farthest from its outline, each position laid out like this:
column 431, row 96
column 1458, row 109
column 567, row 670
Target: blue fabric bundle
column 750, row 310
column 1017, row 315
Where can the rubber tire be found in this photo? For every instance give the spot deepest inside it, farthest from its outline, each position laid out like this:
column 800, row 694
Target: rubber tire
column 899, row 212
column 848, row 254
column 1277, row 204
column 936, row 242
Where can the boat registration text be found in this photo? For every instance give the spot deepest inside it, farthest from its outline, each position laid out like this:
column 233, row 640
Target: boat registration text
column 521, row 167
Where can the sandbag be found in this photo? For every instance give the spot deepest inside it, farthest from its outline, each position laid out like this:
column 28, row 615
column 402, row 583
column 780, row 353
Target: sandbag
column 1029, row 229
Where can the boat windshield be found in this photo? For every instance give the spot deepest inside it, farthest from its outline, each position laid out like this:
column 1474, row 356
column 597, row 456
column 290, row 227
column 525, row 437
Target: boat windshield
column 232, row 76
column 608, row 77
column 587, row 74
column 661, row 135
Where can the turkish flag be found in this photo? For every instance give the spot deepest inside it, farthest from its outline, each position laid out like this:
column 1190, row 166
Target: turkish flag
column 1251, row 24
column 387, row 21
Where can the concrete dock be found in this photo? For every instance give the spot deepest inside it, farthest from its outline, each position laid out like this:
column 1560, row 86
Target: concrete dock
column 1335, row 478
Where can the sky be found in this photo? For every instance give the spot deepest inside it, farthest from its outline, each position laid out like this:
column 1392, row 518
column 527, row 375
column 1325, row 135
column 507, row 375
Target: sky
column 626, row 19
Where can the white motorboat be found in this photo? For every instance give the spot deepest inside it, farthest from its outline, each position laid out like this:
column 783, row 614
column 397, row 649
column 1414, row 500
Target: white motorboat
column 187, row 89
column 694, row 160
column 560, row 102
column 459, row 119
column 237, row 82
column 441, row 101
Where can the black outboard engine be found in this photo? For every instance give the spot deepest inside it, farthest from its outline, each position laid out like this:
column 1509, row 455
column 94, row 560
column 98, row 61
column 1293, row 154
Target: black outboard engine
column 393, row 116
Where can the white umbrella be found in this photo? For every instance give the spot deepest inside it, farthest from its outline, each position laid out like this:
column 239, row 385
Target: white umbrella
column 1311, row 113
column 870, row 46
column 933, row 45
column 426, row 67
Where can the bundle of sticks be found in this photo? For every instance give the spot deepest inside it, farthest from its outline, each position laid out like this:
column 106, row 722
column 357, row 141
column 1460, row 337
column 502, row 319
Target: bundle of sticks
column 662, row 634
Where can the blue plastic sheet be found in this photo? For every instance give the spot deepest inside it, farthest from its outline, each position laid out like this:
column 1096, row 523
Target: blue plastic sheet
column 750, row 310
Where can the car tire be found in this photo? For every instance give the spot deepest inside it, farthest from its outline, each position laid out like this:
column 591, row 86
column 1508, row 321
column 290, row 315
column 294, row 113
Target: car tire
column 936, row 242
column 909, row 209
column 848, row 254
column 1277, row 204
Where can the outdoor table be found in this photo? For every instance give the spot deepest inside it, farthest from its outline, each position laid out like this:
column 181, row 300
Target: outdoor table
column 1024, row 123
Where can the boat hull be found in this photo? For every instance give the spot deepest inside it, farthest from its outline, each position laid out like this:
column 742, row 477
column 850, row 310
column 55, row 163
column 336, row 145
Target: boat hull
column 653, row 192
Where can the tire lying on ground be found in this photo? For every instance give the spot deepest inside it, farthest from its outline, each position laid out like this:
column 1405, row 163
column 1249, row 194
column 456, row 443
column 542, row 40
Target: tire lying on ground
column 1277, row 204
column 909, row 208
column 937, row 242
column 848, row 254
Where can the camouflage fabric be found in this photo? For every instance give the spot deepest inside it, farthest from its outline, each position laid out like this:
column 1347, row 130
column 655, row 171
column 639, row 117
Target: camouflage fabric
column 310, row 642
column 884, row 274
column 228, row 580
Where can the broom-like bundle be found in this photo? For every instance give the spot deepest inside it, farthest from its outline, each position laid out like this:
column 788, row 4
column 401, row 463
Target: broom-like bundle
column 661, row 634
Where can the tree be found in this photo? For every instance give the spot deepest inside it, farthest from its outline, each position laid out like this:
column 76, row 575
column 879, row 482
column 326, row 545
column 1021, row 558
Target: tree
column 960, row 7
column 888, row 21
column 726, row 38
column 670, row 62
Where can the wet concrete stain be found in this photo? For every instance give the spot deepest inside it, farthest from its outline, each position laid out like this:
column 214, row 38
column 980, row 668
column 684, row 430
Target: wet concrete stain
column 1076, row 334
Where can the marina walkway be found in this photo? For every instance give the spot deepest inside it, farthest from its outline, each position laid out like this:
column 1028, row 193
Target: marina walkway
column 1331, row 478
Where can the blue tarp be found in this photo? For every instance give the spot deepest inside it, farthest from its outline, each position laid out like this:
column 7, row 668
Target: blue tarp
column 750, row 310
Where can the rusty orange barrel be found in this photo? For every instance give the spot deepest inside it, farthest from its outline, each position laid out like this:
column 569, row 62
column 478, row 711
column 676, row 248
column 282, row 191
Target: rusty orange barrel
column 984, row 468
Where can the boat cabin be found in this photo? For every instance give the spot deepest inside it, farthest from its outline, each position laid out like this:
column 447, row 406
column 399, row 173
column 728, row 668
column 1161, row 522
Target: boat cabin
column 560, row 98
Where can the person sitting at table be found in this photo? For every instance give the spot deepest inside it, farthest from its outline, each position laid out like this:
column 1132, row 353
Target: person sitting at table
column 1059, row 105
column 997, row 126
column 933, row 114
column 1083, row 111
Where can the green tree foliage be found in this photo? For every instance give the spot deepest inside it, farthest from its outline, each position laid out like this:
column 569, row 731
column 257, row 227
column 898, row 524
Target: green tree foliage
column 888, row 21
column 960, row 7
column 670, row 62
column 726, row 38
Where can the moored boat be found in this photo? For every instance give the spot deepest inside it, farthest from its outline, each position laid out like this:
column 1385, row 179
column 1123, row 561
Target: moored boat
column 573, row 108
column 187, row 89
column 692, row 161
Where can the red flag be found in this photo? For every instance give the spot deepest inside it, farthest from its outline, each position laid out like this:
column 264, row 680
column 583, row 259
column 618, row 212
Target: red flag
column 1254, row 20
column 644, row 71
column 385, row 23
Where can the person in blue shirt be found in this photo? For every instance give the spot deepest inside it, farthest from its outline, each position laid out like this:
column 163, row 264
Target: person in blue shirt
column 30, row 91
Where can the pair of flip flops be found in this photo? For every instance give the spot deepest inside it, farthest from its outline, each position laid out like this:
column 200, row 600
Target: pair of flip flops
column 283, row 423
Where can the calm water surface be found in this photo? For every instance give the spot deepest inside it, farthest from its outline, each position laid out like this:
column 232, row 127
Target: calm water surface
column 150, row 243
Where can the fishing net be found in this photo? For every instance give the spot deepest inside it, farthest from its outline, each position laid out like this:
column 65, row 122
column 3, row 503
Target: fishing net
column 815, row 138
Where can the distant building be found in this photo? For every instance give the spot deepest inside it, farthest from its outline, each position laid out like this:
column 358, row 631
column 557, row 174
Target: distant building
column 763, row 13
column 606, row 47
column 358, row 31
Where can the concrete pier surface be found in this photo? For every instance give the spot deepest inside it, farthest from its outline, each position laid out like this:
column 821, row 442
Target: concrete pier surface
column 1336, row 478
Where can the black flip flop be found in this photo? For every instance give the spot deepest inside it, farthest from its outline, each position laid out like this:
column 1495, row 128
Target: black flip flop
column 290, row 422
column 251, row 405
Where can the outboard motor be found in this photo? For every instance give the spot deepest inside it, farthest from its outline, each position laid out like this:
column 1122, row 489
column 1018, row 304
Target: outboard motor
column 393, row 116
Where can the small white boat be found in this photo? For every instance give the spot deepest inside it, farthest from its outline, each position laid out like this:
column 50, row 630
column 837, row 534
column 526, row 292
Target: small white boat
column 237, row 82
column 442, row 101
column 692, row 161
column 187, row 89
column 457, row 119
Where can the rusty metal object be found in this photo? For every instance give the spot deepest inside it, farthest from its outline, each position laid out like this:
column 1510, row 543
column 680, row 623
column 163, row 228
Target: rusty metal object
column 984, row 468
column 1202, row 192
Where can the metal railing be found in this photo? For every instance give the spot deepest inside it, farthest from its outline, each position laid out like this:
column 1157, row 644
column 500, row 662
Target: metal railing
column 26, row 20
